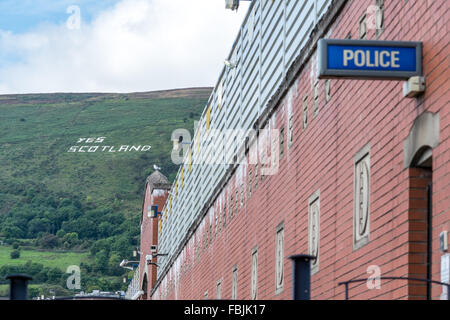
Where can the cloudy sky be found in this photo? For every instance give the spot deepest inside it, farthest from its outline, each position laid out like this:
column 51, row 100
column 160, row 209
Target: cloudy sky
column 115, row 46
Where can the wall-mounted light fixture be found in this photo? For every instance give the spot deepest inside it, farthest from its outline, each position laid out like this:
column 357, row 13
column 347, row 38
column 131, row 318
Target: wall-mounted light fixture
column 152, row 211
column 233, row 4
column 149, row 258
column 124, row 263
column 136, row 252
column 229, row 64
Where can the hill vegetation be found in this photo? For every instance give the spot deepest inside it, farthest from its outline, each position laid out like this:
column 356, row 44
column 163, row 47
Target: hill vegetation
column 54, row 199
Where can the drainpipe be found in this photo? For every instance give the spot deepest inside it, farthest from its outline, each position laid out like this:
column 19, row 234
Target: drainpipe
column 18, row 288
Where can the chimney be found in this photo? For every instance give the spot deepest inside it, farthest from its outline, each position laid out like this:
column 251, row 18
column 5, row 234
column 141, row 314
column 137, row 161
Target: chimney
column 18, row 288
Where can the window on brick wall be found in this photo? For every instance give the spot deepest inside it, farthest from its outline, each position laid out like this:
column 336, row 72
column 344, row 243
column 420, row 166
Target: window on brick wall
column 215, row 224
column 205, row 240
column 379, row 18
column 281, row 142
column 231, row 206
column 316, row 99
column 236, row 199
column 291, row 130
column 220, row 221
column 210, row 233
column 275, row 146
column 279, row 259
column 249, row 181
column 242, row 195
column 327, row 87
column 375, row 18
column 305, row 112
column 195, row 250
column 254, row 275
column 314, row 230
column 361, row 196
column 224, row 215
column 363, row 27
column 219, row 289
column 234, row 285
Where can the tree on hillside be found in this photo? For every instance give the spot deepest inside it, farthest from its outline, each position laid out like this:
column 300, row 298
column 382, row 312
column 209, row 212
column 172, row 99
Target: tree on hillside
column 86, row 229
column 54, row 275
column 113, row 265
column 38, row 225
column 70, row 239
column 105, row 229
column 15, row 254
column 12, row 232
column 49, row 241
column 101, row 262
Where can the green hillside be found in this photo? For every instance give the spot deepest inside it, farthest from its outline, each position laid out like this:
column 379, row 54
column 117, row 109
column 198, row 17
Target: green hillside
column 51, row 198
column 58, row 259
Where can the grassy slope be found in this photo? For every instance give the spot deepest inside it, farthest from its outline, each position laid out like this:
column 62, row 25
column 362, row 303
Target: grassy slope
column 36, row 131
column 60, row 260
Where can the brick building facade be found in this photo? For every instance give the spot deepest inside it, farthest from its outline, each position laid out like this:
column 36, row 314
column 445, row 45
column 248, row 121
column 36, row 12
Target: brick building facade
column 156, row 191
column 358, row 163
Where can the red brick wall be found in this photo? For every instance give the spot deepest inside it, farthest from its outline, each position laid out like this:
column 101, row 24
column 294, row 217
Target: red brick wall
column 322, row 157
column 149, row 233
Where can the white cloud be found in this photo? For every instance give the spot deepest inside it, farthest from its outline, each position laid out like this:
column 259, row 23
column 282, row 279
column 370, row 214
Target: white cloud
column 138, row 45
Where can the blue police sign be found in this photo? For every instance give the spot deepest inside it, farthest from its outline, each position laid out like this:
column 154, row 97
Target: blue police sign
column 363, row 59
